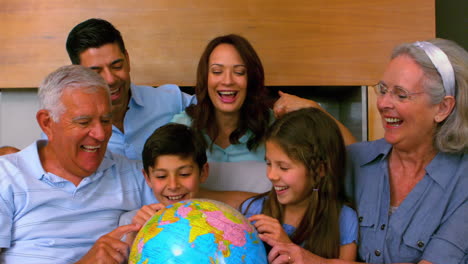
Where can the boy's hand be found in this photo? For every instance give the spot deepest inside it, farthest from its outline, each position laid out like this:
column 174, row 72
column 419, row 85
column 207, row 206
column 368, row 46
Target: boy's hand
column 146, row 212
column 269, row 227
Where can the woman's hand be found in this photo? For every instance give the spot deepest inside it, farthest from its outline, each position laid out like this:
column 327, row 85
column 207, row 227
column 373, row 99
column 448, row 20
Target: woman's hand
column 269, row 227
column 288, row 103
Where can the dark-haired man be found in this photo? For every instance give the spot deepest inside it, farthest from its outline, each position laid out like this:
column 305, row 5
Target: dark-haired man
column 137, row 110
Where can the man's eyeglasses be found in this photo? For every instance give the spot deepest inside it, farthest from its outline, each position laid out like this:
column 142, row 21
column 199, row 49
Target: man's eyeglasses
column 397, row 93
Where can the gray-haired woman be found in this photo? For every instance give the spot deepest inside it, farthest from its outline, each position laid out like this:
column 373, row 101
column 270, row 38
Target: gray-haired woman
column 411, row 186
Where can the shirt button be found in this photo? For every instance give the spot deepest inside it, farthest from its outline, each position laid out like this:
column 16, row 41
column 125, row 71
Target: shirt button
column 382, row 227
column 377, row 252
column 360, row 219
column 420, row 244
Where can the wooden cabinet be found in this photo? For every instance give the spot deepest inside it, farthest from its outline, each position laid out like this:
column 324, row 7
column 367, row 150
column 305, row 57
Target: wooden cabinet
column 301, row 42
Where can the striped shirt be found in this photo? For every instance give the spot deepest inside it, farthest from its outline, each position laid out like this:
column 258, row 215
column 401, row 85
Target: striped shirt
column 46, row 219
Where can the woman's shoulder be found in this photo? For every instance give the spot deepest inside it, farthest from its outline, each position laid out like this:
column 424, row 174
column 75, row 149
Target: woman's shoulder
column 366, row 151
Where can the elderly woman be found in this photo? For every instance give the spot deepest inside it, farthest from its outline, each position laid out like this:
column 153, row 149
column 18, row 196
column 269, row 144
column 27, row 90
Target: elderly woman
column 411, row 187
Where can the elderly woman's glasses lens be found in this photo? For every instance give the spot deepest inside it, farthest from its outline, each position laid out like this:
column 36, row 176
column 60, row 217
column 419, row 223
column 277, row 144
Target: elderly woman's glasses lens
column 396, row 93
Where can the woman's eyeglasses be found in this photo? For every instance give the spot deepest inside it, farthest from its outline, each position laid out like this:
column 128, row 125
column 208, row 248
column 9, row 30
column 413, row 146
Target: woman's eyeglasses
column 397, row 93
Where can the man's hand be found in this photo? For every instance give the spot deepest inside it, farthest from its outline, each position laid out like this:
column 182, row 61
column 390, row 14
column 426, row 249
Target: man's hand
column 109, row 249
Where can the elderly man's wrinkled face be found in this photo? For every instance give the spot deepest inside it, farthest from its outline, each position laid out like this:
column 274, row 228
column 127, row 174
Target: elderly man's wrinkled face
column 79, row 139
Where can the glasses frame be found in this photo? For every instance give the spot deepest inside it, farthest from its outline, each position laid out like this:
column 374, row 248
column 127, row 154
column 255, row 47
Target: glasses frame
column 381, row 89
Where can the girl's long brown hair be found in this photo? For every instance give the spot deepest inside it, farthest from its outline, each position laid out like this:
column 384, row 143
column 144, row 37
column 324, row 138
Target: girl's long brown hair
column 311, row 137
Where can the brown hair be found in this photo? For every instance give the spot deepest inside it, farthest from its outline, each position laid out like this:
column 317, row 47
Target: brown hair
column 311, row 137
column 254, row 112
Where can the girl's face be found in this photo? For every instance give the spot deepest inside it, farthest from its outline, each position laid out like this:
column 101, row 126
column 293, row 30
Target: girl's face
column 227, row 79
column 290, row 178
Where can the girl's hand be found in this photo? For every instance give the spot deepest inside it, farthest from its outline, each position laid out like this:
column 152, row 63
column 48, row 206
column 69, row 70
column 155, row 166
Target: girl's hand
column 288, row 253
column 269, row 227
column 146, row 212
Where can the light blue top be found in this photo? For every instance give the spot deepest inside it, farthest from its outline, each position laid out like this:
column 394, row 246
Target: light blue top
column 47, row 219
column 148, row 109
column 348, row 220
column 127, row 217
column 234, row 152
column 234, row 168
column 430, row 224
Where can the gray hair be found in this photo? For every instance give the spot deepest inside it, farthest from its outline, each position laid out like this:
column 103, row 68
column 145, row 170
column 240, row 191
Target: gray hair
column 67, row 77
column 451, row 134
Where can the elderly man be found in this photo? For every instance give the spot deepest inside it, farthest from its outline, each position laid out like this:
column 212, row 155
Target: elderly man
column 137, row 110
column 61, row 198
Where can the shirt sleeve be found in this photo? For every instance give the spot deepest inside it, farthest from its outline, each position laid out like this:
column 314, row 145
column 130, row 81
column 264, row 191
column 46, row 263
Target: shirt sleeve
column 182, row 118
column 6, row 219
column 348, row 226
column 251, row 207
column 450, row 243
column 126, row 218
column 188, row 99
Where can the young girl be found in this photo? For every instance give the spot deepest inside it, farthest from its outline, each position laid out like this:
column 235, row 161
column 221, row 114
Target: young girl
column 305, row 157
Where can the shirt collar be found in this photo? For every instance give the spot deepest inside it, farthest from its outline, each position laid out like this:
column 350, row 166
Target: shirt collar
column 438, row 169
column 31, row 161
column 443, row 167
column 136, row 97
column 380, row 152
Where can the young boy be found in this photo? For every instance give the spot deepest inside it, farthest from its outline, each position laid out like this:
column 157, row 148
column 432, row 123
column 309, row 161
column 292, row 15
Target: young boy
column 174, row 166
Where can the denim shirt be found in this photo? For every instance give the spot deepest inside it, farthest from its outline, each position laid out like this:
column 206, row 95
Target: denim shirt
column 430, row 224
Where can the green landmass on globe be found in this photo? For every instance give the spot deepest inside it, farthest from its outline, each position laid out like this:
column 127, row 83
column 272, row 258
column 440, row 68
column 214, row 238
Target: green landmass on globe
column 198, row 231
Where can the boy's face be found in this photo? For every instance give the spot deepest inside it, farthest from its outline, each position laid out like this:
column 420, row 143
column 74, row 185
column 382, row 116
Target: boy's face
column 174, row 179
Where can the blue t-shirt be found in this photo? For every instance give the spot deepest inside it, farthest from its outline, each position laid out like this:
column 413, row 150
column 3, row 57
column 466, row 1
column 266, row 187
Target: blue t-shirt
column 348, row 220
column 47, row 219
column 430, row 224
column 148, row 109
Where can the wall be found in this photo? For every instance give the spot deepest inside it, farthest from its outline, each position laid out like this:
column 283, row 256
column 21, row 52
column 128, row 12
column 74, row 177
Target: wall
column 18, row 125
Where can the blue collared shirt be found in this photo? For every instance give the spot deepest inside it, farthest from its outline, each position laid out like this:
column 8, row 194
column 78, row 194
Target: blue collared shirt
column 430, row 224
column 148, row 109
column 47, row 219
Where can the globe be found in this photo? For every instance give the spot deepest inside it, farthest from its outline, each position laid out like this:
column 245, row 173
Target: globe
column 198, row 231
